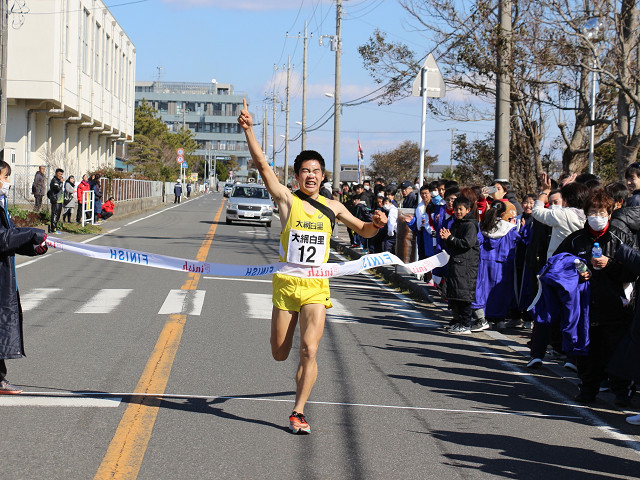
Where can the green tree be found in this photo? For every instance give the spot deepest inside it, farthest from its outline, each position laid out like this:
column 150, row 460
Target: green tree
column 399, row 164
column 153, row 151
column 474, row 160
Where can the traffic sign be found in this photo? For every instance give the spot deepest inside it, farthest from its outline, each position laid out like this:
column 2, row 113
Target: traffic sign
column 179, row 159
column 180, row 151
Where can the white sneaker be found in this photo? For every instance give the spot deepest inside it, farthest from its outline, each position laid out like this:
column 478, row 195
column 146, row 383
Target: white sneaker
column 635, row 420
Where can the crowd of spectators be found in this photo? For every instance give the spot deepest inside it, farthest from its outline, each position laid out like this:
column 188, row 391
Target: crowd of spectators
column 562, row 264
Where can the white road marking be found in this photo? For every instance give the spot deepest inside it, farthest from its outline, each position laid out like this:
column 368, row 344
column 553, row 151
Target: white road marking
column 414, row 317
column 105, row 301
column 33, row 298
column 260, row 307
column 187, row 302
column 48, row 400
column 120, row 395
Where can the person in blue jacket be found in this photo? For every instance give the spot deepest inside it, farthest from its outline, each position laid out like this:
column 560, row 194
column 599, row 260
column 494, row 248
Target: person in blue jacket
column 443, row 218
column 24, row 241
column 495, row 288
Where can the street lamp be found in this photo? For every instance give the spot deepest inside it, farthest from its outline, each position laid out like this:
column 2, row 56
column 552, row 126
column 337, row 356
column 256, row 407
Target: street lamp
column 592, row 30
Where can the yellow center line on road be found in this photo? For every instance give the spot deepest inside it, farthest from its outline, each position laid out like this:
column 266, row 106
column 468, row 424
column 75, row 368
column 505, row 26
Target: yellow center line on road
column 129, row 444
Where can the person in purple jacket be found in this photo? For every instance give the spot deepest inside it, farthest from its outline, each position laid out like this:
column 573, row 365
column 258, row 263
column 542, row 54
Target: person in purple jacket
column 495, row 288
column 443, row 218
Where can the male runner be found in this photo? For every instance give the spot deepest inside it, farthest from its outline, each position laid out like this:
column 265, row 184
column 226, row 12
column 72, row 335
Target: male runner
column 304, row 240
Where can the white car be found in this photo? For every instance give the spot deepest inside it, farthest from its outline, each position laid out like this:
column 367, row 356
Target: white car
column 250, row 202
column 227, row 189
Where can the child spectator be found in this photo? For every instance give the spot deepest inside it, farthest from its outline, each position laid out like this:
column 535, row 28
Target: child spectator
column 24, row 241
column 107, row 208
column 462, row 269
column 495, row 289
column 632, row 176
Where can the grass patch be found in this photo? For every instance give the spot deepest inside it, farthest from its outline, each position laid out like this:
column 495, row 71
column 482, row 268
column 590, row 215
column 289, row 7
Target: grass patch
column 28, row 218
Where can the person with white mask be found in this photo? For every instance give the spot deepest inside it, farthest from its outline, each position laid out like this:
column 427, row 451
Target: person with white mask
column 563, row 219
column 609, row 314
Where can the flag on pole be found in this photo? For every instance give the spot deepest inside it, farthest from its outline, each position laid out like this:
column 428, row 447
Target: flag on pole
column 360, row 157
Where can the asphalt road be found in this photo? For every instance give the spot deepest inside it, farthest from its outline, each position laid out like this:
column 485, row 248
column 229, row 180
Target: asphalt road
column 136, row 372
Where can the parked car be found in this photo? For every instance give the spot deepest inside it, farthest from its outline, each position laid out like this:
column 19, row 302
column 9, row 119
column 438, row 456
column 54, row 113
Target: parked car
column 250, row 202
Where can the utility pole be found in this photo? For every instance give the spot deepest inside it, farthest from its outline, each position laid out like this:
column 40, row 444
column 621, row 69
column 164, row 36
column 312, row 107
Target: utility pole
column 303, row 135
column 286, row 128
column 273, row 147
column 336, row 99
column 304, row 88
column 265, row 126
column 503, row 94
column 4, row 25
column 453, row 130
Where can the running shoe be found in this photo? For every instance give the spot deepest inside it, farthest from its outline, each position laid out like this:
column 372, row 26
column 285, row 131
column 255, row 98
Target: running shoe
column 460, row 329
column 534, row 363
column 480, row 325
column 7, row 389
column 297, row 423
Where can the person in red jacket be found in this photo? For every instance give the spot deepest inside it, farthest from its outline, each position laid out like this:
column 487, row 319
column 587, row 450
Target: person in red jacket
column 107, row 209
column 82, row 187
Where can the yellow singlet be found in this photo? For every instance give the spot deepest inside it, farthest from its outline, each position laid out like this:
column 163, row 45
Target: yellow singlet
column 305, row 240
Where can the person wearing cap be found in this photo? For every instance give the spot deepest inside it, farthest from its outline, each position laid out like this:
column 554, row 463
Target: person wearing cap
column 495, row 292
column 410, row 199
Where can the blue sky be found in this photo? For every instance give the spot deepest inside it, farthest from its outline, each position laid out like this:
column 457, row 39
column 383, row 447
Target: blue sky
column 239, row 41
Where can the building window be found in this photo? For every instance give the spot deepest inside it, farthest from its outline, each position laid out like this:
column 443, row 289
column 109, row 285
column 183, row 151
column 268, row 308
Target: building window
column 96, row 48
column 107, row 57
column 116, row 58
column 85, row 41
column 67, row 17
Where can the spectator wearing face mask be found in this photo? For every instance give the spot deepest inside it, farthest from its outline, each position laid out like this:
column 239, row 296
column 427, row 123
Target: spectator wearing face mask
column 609, row 315
column 367, row 194
column 564, row 219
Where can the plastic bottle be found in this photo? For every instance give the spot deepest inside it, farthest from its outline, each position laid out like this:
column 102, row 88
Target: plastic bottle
column 596, row 252
column 581, row 267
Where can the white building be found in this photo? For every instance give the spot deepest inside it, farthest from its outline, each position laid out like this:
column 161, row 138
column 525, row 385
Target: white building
column 70, row 86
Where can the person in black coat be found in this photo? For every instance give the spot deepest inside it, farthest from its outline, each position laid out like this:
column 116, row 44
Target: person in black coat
column 24, row 241
column 609, row 314
column 462, row 269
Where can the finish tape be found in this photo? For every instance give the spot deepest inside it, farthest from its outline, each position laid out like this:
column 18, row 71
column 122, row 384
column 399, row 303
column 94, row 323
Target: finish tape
column 326, row 270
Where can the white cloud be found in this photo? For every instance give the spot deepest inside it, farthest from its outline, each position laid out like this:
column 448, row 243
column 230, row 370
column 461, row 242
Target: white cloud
column 251, row 5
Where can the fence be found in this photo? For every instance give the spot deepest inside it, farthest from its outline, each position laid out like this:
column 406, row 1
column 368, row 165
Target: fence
column 122, row 189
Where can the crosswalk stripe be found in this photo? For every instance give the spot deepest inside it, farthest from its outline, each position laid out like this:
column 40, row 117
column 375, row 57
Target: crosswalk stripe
column 33, row 298
column 105, row 301
column 183, row 302
column 260, row 308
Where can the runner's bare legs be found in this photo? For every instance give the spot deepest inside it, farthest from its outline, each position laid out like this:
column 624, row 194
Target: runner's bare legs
column 283, row 323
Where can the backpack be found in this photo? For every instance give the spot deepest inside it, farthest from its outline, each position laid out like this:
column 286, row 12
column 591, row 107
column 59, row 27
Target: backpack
column 50, row 195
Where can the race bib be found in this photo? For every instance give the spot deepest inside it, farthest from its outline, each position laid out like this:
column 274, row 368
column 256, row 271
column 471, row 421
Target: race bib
column 307, row 248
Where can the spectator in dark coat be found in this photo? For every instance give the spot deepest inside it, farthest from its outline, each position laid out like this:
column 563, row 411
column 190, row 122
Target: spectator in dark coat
column 24, row 241
column 625, row 362
column 56, row 197
column 462, row 269
column 39, row 188
column 410, row 199
column 177, row 192
column 608, row 315
column 97, row 196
